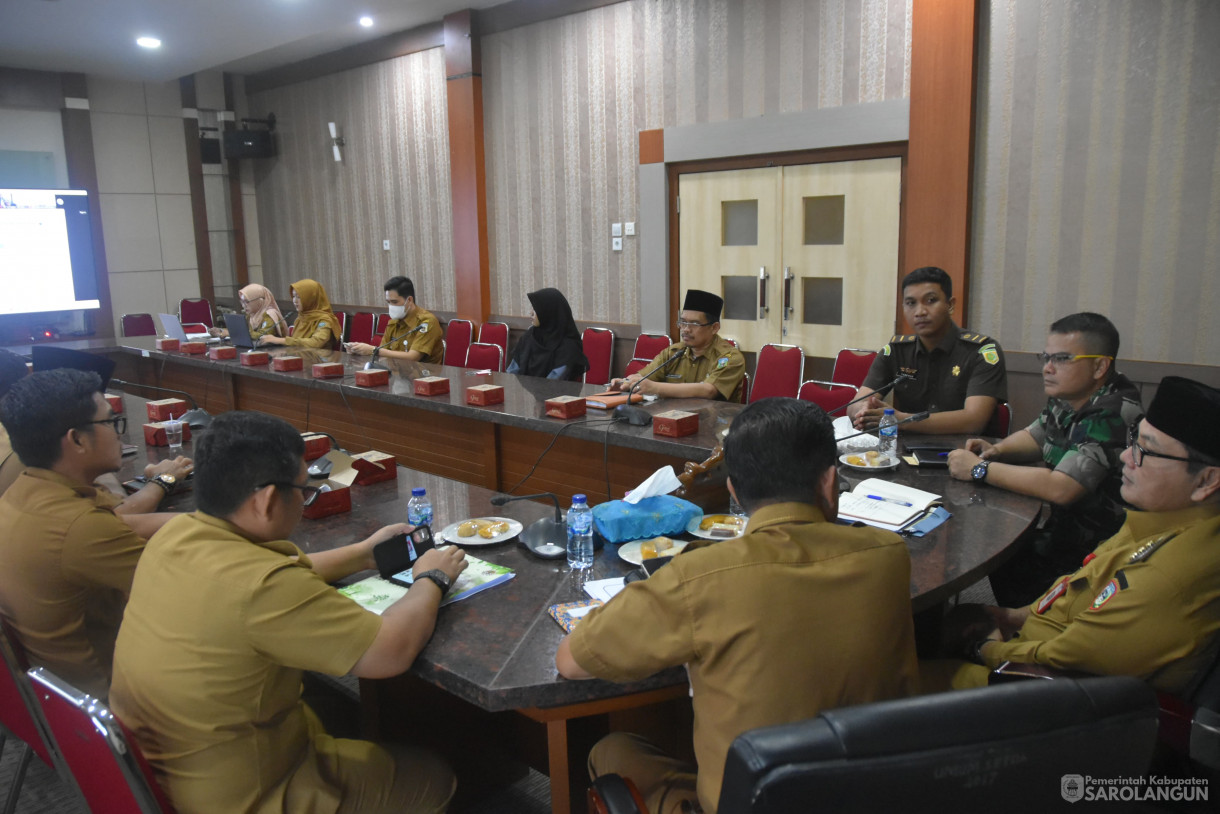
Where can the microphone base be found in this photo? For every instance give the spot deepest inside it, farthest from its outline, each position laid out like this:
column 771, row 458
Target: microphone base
column 197, row 418
column 375, row 365
column 546, row 538
column 635, row 416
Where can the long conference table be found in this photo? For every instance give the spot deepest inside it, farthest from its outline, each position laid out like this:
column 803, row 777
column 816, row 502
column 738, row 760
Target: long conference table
column 494, row 653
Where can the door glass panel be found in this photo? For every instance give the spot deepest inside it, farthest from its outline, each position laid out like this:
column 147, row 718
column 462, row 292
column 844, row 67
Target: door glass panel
column 822, row 300
column 824, row 220
column 740, row 297
column 739, row 223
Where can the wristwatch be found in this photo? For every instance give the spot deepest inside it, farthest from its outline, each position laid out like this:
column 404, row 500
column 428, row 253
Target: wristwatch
column 167, row 482
column 437, row 576
column 980, row 470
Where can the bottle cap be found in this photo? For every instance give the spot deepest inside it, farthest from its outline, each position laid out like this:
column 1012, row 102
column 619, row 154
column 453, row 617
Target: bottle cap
column 418, row 491
column 889, row 411
column 579, row 499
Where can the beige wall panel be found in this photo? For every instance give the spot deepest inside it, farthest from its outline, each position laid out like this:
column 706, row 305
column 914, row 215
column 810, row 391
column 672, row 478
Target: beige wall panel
column 115, row 96
column 137, row 292
column 164, row 98
column 254, row 249
column 180, row 284
column 122, row 152
column 168, row 145
column 129, row 225
column 176, row 231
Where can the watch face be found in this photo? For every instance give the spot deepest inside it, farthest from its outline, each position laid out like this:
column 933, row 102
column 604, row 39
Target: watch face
column 980, row 471
column 167, row 479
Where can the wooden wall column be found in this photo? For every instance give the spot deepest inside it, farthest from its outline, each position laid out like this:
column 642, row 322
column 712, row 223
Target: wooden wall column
column 467, row 172
column 940, row 161
column 194, row 173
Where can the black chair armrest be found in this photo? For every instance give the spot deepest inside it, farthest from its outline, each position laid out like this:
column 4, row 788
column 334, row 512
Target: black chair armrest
column 615, row 794
column 1012, row 671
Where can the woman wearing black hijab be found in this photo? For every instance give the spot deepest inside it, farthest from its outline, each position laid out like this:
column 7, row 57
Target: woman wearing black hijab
column 552, row 347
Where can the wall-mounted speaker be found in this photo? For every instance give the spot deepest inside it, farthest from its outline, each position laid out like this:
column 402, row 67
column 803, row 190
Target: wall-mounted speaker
column 248, row 144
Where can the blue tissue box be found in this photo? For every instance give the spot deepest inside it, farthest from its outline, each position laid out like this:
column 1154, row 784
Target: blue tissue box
column 619, row 521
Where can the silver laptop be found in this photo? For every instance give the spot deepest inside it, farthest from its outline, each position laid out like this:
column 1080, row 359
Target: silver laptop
column 239, row 330
column 172, row 327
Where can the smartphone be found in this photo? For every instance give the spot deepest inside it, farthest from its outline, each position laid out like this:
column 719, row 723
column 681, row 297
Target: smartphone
column 397, row 555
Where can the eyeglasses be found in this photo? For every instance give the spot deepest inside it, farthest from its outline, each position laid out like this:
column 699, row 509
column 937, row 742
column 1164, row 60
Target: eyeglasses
column 1138, row 452
column 1064, row 358
column 119, row 422
column 682, row 323
column 311, row 492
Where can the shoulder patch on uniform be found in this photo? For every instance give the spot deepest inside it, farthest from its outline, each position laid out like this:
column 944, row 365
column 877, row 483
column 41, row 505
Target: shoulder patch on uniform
column 989, row 353
column 722, row 361
column 1149, row 548
column 1107, row 593
column 423, row 327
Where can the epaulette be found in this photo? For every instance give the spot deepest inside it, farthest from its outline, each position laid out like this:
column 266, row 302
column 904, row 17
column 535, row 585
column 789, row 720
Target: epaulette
column 978, row 339
column 902, row 338
column 1149, row 548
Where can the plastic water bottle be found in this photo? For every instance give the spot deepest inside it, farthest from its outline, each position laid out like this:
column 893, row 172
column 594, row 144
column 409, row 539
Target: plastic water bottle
column 419, row 508
column 580, row 533
column 888, row 434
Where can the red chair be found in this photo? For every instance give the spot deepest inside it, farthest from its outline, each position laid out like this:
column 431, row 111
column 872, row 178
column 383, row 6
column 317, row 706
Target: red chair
column 778, row 372
column 362, row 327
column 102, row 756
column 495, row 333
column 830, row 396
column 599, row 350
column 851, row 366
column 484, row 356
column 20, row 715
column 458, row 335
column 342, row 317
column 1001, row 419
column 199, row 310
column 648, row 345
column 745, row 388
column 194, row 328
column 138, row 325
column 383, row 319
column 636, row 365
column 292, row 329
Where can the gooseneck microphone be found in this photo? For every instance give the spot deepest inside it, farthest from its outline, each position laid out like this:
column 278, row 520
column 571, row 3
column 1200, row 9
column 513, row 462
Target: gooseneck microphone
column 374, row 364
column 885, row 388
column 196, row 417
column 638, row 416
column 546, row 537
column 908, row 420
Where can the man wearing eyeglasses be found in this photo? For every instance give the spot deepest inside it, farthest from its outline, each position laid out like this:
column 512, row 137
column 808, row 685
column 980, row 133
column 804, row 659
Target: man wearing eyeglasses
column 710, row 367
column 1145, row 603
column 1074, row 449
column 225, row 615
column 67, row 557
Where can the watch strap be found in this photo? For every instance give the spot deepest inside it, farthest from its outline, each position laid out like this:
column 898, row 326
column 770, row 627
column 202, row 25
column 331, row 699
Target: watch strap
column 438, row 577
column 166, row 486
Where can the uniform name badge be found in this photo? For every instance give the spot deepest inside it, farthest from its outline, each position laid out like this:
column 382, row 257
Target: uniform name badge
column 1051, row 596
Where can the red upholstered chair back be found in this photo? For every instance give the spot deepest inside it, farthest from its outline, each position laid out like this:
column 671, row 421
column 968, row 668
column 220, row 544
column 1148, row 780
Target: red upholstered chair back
column 636, row 365
column 778, row 372
column 830, row 396
column 745, row 388
column 648, row 345
column 851, row 366
column 458, row 335
column 495, row 333
column 484, row 356
column 599, row 350
column 199, row 310
column 138, row 325
column 342, row 317
column 19, row 712
column 1000, row 421
column 383, row 319
column 97, row 749
column 362, row 327
column 194, row 328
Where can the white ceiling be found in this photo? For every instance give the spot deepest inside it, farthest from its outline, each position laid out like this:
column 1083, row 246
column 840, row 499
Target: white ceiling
column 241, row 36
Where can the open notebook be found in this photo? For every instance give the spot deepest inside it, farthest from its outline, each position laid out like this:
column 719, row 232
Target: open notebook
column 884, row 504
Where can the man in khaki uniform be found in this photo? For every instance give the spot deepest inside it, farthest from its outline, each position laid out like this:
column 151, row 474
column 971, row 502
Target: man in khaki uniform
column 12, row 369
column 413, row 333
column 710, row 367
column 1145, row 603
column 796, row 616
column 224, row 616
column 66, row 559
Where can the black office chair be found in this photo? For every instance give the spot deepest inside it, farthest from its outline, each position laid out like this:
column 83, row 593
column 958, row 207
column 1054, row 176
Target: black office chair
column 1013, row 747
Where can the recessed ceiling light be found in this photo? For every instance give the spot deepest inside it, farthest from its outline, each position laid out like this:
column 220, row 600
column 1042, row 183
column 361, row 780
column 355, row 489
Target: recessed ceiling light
column 367, row 22
column 148, row 42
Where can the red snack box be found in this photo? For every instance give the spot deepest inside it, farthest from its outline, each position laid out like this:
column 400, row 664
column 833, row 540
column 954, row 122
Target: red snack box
column 373, row 378
column 165, row 409
column 327, row 370
column 374, row 467
column 336, row 500
column 316, row 445
column 288, row 363
column 167, row 344
column 566, row 406
column 253, row 358
column 194, row 348
column 431, row 386
column 222, row 352
column 675, row 423
column 115, row 402
column 484, row 394
column 154, row 434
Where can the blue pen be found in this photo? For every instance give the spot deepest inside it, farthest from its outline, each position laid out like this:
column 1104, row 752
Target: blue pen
column 888, row 500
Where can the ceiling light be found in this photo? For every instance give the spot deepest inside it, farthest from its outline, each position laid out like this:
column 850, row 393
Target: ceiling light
column 367, row 22
column 148, row 42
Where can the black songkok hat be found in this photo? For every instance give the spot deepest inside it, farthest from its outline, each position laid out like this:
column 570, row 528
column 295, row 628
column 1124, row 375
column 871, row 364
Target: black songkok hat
column 1186, row 410
column 703, row 301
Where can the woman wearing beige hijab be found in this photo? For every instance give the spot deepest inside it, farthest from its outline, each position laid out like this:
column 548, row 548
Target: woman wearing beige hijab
column 262, row 312
column 316, row 325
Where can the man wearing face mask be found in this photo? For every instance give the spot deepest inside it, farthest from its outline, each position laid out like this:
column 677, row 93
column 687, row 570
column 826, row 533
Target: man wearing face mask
column 413, row 333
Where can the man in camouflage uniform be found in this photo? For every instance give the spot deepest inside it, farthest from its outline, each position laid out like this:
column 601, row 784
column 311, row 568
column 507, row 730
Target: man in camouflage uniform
column 1077, row 440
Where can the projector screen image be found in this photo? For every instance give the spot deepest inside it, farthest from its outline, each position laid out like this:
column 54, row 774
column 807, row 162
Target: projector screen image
column 46, row 251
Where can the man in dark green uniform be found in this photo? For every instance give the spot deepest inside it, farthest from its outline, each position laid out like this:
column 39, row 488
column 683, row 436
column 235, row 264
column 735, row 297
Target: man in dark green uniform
column 1146, row 603
column 413, row 333
column 1074, row 445
column 958, row 377
column 710, row 367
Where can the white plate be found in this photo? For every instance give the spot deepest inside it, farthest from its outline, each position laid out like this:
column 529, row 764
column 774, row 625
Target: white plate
column 693, row 528
column 631, row 551
column 887, row 463
column 450, row 532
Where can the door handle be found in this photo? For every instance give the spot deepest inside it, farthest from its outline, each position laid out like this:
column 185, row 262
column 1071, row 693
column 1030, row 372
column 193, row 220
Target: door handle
column 787, row 292
column 762, row 292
